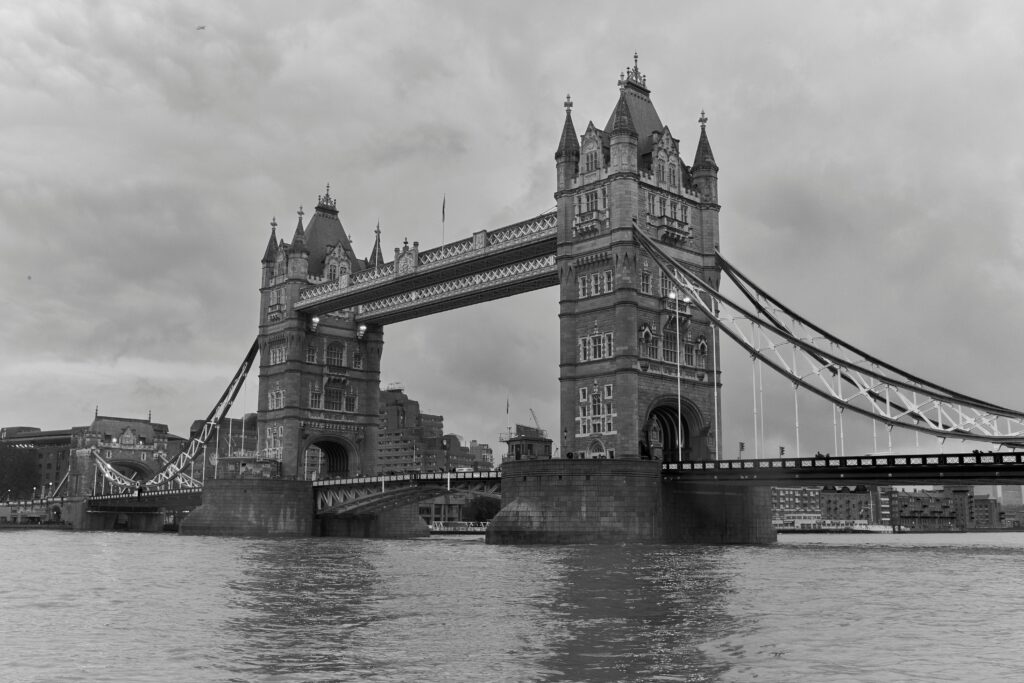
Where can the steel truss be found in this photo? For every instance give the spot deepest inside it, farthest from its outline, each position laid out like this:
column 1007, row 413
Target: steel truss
column 173, row 471
column 819, row 362
column 344, row 497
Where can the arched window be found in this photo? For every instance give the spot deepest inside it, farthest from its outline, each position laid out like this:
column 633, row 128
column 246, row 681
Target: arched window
column 333, row 272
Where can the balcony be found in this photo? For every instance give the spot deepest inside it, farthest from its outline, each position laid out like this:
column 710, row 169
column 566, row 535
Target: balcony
column 670, row 230
column 589, row 223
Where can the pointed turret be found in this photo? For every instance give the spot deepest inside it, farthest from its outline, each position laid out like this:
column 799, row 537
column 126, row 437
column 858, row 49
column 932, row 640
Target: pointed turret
column 376, row 259
column 568, row 144
column 567, row 156
column 705, row 170
column 704, row 160
column 299, row 239
column 622, row 120
column 270, row 255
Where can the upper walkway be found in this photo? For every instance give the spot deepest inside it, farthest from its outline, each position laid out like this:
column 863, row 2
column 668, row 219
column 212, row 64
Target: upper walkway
column 489, row 265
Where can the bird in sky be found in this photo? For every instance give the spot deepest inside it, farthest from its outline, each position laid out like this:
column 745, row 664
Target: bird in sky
column 200, row 28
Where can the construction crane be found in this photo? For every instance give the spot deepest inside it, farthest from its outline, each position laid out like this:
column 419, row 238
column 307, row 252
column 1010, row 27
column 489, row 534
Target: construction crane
column 535, row 421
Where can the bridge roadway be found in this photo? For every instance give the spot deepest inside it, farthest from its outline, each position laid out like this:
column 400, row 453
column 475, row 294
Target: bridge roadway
column 877, row 470
column 351, row 496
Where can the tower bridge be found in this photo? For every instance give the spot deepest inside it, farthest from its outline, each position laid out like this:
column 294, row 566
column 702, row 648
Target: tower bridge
column 633, row 247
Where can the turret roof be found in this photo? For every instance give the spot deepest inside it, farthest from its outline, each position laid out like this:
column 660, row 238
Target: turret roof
column 635, row 97
column 704, row 160
column 569, row 143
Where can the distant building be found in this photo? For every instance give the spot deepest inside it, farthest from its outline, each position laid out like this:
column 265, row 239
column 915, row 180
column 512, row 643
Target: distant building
column 408, row 440
column 483, row 455
column 985, row 513
column 136, row 448
column 937, row 510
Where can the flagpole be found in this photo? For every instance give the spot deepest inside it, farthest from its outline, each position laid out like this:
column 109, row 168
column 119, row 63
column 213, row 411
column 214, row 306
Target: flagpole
column 444, row 200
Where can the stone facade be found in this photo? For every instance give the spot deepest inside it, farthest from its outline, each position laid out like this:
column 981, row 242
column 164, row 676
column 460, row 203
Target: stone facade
column 625, row 336
column 319, row 375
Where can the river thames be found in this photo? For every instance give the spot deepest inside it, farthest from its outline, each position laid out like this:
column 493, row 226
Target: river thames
column 150, row 607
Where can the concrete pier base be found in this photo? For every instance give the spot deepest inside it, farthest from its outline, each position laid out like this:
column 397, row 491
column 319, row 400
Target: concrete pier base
column 622, row 501
column 252, row 507
column 578, row 501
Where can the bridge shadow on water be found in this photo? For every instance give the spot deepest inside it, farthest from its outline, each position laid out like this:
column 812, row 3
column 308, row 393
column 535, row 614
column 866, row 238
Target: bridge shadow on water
column 455, row 609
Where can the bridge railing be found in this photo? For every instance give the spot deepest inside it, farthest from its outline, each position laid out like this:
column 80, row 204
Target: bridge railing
column 412, row 477
column 855, row 461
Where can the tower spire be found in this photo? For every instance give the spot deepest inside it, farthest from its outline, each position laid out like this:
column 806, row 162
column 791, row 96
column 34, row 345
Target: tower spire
column 704, row 160
column 270, row 255
column 569, row 143
column 299, row 239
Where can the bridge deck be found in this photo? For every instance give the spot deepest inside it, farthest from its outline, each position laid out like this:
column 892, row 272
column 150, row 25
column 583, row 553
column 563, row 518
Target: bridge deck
column 929, row 468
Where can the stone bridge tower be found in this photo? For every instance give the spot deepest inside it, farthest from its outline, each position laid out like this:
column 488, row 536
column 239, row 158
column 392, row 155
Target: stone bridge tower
column 622, row 342
column 319, row 376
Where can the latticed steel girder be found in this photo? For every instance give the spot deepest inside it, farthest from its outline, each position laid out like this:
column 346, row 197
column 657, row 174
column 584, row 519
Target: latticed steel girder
column 484, row 252
column 368, row 496
column 823, row 364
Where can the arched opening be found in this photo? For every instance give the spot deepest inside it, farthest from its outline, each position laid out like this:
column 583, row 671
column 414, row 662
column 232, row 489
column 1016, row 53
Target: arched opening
column 666, row 437
column 326, row 459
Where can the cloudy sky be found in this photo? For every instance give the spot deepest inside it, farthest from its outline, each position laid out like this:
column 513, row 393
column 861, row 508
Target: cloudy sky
column 871, row 177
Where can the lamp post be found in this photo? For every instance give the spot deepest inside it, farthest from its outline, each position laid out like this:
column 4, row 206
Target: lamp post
column 679, row 383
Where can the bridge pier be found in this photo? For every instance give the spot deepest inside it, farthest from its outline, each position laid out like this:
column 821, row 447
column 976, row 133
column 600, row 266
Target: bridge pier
column 252, row 507
column 400, row 522
column 622, row 501
column 578, row 501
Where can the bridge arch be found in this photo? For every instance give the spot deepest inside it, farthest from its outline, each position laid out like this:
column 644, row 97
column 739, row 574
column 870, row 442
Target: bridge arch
column 329, row 456
column 133, row 469
column 661, row 438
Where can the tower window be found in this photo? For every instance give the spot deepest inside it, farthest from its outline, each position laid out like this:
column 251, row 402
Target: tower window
column 277, row 353
column 311, row 354
column 336, row 354
column 316, row 395
column 645, row 282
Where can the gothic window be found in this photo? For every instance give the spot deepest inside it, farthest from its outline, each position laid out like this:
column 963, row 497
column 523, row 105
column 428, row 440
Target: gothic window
column 350, row 403
column 662, row 203
column 604, row 198
column 672, row 178
column 583, row 394
column 583, row 283
column 592, row 160
column 591, row 201
column 316, row 395
column 595, row 283
column 650, row 204
column 666, row 284
column 669, row 344
column 672, row 210
column 334, row 396
column 311, row 354
column 661, row 171
column 357, row 360
column 648, row 342
column 607, row 280
column 277, row 353
column 275, row 399
column 333, row 272
column 335, row 354
column 645, row 282
column 684, row 213
column 595, row 346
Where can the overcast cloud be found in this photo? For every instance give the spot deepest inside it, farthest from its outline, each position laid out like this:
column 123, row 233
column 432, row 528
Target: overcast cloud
column 871, row 177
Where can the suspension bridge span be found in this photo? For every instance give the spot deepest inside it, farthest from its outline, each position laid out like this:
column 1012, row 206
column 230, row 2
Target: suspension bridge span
column 633, row 247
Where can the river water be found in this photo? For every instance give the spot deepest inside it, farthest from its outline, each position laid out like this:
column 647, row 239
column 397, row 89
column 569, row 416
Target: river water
column 78, row 606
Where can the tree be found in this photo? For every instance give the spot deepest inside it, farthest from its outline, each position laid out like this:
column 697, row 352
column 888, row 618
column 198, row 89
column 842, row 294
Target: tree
column 18, row 471
column 480, row 509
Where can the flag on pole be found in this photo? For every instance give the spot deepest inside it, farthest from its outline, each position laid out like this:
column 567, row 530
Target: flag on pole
column 506, row 404
column 444, row 200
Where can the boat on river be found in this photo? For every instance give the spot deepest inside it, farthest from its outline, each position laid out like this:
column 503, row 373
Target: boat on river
column 458, row 527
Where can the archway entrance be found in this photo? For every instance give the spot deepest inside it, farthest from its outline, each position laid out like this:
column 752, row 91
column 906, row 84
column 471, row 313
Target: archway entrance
column 327, row 459
column 666, row 437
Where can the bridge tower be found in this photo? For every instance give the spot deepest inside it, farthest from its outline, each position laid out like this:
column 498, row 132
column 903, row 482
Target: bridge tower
column 319, row 382
column 624, row 334
column 639, row 370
